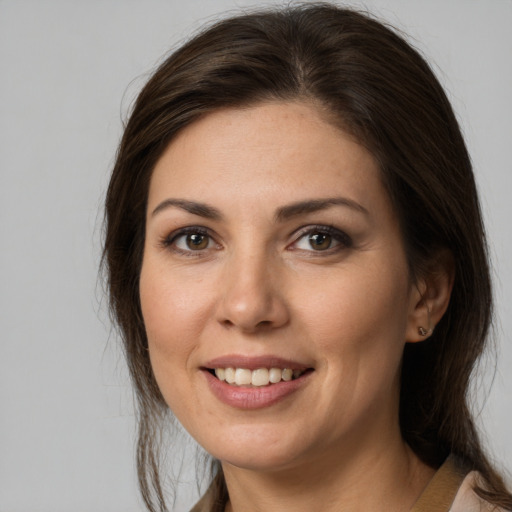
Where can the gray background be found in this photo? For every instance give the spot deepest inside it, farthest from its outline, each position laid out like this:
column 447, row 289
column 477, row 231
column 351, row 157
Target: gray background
column 69, row 70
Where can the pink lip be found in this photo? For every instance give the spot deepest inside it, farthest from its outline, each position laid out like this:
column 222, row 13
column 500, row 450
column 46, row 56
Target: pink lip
column 253, row 363
column 253, row 397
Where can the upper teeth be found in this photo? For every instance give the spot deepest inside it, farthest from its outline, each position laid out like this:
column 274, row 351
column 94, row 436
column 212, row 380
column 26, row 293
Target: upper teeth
column 259, row 377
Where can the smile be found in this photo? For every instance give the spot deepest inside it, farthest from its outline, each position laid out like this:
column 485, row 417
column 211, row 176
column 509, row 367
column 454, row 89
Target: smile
column 255, row 382
column 256, row 378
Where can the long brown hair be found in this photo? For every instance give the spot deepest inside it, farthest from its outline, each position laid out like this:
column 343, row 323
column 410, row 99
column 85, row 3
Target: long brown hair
column 377, row 87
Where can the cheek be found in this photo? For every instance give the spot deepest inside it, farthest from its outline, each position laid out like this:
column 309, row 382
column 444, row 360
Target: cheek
column 169, row 304
column 174, row 313
column 359, row 329
column 171, row 319
column 360, row 315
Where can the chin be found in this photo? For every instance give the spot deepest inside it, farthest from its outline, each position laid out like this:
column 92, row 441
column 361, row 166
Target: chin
column 255, row 449
column 259, row 460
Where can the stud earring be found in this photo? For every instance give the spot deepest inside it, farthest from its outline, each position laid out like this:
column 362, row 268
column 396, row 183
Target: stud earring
column 426, row 332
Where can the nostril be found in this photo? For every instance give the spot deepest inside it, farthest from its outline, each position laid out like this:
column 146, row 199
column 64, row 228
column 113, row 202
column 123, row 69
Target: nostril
column 264, row 324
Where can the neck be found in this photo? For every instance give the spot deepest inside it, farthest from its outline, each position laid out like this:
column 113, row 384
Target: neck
column 333, row 482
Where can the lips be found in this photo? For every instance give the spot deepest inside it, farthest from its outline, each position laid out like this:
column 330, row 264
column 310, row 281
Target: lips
column 254, row 382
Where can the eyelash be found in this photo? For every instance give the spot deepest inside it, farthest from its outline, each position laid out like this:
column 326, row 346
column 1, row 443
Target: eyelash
column 343, row 240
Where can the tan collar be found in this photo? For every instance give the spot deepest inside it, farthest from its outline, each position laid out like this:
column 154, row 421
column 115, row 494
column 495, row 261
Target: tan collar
column 439, row 494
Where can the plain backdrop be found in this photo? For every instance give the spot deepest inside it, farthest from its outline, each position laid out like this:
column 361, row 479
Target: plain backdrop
column 68, row 73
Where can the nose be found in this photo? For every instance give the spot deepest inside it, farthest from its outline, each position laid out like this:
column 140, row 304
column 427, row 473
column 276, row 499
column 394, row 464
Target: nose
column 252, row 299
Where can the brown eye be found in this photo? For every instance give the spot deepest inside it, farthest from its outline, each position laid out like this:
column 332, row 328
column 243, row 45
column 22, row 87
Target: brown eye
column 320, row 241
column 197, row 241
column 190, row 240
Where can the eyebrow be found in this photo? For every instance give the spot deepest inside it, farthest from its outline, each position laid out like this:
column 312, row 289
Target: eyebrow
column 315, row 205
column 283, row 213
column 200, row 209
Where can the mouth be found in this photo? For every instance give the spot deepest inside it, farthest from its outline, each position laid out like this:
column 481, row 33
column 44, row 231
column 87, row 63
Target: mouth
column 255, row 382
column 257, row 378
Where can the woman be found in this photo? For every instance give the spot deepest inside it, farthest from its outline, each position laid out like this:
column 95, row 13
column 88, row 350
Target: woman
column 297, row 263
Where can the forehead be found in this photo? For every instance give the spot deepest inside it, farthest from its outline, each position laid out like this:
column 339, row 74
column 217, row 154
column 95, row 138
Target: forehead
column 263, row 150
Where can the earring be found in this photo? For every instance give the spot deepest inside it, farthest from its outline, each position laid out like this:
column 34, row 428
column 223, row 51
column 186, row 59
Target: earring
column 426, row 332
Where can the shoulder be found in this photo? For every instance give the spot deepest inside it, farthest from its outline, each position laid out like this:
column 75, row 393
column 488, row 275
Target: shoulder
column 452, row 490
column 466, row 500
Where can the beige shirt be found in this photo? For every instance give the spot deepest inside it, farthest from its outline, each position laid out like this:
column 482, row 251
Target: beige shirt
column 467, row 501
column 451, row 490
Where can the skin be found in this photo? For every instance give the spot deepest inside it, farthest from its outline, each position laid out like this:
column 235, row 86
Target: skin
column 256, row 286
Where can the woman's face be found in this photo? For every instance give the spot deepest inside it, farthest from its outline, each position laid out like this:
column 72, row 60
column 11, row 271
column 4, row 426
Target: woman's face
column 273, row 253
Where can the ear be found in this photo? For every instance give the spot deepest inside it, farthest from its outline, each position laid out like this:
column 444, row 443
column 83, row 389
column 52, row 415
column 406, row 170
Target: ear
column 430, row 297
